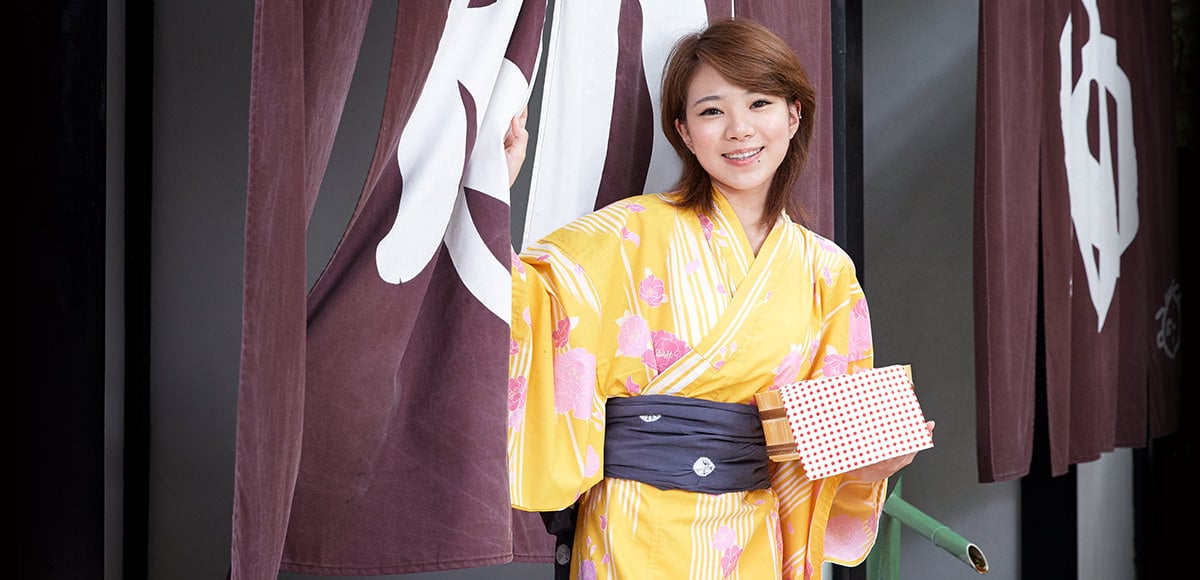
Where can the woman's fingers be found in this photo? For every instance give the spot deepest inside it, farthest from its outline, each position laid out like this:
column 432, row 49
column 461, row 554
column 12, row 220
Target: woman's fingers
column 515, row 143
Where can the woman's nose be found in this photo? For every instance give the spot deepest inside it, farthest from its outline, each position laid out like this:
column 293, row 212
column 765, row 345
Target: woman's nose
column 738, row 128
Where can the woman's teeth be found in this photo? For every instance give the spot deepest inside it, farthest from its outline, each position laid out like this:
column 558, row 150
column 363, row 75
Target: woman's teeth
column 741, row 156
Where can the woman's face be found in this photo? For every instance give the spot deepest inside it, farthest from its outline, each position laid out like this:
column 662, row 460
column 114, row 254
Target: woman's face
column 740, row 137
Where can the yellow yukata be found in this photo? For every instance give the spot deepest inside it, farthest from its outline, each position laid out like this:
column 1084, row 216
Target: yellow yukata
column 644, row 298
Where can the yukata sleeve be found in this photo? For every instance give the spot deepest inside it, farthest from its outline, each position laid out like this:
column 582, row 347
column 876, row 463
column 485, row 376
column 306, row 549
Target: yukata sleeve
column 555, row 410
column 839, row 517
column 847, row 347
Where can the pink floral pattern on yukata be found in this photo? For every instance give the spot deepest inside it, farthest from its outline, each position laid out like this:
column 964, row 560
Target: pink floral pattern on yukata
column 860, row 329
column 651, row 291
column 835, row 365
column 631, row 236
column 635, row 207
column 706, row 226
column 587, row 570
column 667, row 349
column 789, row 369
column 631, row 386
column 773, row 521
column 591, row 462
column 574, row 382
column 723, row 538
column 516, row 401
column 729, row 560
column 516, row 262
column 562, row 333
column 845, row 537
column 725, row 541
column 633, row 338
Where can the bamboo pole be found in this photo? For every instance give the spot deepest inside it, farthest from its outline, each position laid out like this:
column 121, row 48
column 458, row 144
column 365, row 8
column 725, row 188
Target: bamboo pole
column 932, row 530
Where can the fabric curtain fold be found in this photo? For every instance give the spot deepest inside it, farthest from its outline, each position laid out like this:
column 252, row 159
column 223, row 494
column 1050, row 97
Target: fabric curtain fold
column 304, row 56
column 371, row 412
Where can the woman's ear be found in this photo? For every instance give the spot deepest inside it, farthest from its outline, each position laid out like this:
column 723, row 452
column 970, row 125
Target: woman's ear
column 681, row 128
column 794, row 116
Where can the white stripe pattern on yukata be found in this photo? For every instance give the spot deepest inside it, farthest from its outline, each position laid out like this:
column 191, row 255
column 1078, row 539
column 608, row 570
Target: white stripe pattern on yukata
column 623, row 495
column 795, row 487
column 567, row 272
column 755, row 293
column 519, row 367
column 712, row 513
column 681, row 374
column 794, row 491
column 631, row 293
column 607, row 221
column 731, row 227
column 692, row 364
column 695, row 305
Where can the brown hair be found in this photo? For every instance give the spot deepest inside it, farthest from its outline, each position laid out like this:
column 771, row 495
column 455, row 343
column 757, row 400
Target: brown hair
column 749, row 55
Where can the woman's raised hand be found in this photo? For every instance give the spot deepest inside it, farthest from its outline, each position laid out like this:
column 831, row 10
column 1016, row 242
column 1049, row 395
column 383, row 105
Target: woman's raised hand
column 515, row 142
column 886, row 468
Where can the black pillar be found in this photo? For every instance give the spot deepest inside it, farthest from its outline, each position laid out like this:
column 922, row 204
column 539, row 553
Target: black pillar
column 139, row 118
column 845, row 17
column 846, row 21
column 56, row 279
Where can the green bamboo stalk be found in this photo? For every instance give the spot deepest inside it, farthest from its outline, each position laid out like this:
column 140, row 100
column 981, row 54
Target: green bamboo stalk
column 934, row 531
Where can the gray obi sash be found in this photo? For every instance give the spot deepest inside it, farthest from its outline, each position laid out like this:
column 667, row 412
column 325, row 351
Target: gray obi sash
column 674, row 442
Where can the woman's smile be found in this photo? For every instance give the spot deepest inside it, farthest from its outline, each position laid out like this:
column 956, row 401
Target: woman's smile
column 744, row 156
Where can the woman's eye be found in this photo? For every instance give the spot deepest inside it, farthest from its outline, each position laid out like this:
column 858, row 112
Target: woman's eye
column 710, row 111
column 760, row 103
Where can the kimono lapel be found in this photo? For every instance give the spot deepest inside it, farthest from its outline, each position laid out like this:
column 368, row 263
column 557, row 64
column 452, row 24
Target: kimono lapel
column 731, row 246
column 738, row 282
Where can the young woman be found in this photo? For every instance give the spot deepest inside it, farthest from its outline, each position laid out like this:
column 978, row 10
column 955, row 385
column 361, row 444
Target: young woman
column 640, row 333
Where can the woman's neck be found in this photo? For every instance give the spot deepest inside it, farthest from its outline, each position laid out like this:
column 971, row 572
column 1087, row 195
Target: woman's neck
column 749, row 211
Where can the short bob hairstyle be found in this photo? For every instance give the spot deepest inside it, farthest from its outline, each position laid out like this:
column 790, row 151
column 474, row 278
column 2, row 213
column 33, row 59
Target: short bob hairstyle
column 749, row 55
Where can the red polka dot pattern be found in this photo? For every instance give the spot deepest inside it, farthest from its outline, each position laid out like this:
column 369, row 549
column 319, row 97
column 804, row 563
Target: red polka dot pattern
column 845, row 422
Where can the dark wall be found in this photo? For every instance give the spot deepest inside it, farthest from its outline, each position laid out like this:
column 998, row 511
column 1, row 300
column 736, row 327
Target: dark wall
column 57, row 154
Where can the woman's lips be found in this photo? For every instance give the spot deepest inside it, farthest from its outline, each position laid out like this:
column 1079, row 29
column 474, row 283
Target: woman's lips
column 742, row 156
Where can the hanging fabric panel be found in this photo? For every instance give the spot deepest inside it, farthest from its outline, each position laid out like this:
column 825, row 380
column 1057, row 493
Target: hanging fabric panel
column 391, row 377
column 1087, row 85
